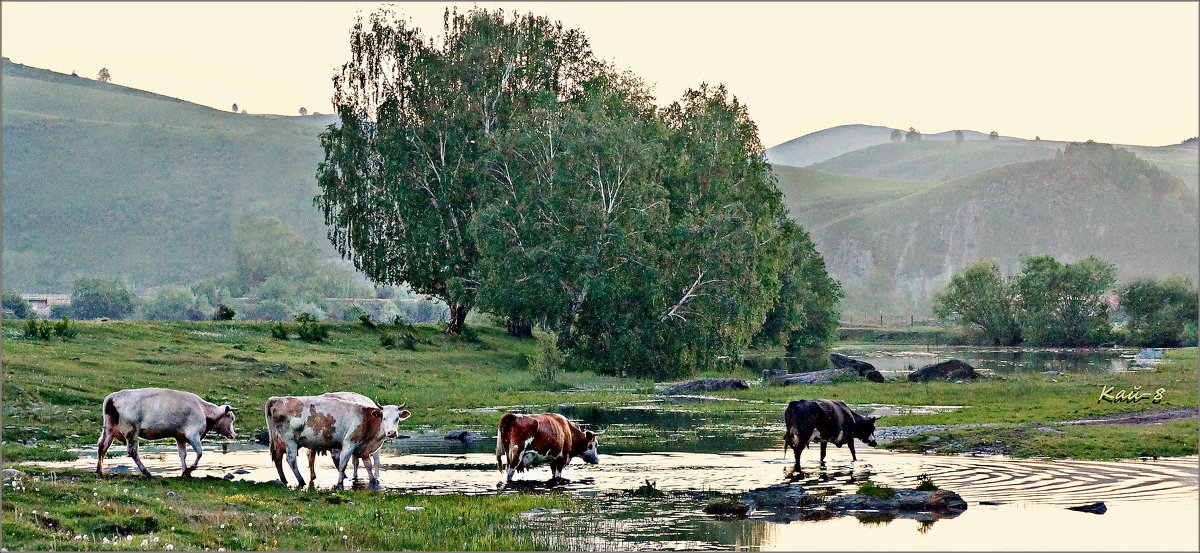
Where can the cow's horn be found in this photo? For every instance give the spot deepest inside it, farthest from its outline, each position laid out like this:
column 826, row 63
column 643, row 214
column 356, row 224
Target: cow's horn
column 402, row 405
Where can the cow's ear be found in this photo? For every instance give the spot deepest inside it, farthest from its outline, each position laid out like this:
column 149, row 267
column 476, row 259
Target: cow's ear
column 228, row 409
column 404, row 414
column 589, row 435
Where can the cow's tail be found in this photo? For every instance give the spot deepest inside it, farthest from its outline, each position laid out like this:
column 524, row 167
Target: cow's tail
column 273, row 439
column 502, row 434
column 111, row 415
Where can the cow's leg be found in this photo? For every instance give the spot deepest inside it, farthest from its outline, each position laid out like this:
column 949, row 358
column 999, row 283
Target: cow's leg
column 342, row 460
column 312, row 460
column 823, row 445
column 277, row 458
column 853, row 457
column 106, row 439
column 376, row 459
column 194, row 441
column 514, row 460
column 131, row 446
column 801, row 438
column 367, row 464
column 183, row 455
column 292, row 451
column 355, row 461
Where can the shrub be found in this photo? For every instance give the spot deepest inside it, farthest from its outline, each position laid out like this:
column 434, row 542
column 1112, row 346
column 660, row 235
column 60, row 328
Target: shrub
column 365, row 319
column 926, row 485
column 724, row 507
column 19, row 306
column 279, row 332
column 387, row 340
column 93, row 298
column 546, row 360
column 310, row 330
column 224, row 313
column 64, row 329
column 37, row 329
column 882, row 492
column 59, row 311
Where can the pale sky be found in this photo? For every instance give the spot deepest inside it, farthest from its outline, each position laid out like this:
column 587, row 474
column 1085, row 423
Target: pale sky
column 1124, row 73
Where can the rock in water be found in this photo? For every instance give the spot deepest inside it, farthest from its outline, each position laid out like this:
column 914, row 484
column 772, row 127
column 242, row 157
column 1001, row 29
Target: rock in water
column 1097, row 508
column 785, row 495
column 946, row 370
column 704, row 385
column 463, row 436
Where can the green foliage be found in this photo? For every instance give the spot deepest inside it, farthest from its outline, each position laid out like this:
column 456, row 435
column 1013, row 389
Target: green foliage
column 648, row 491
column 804, row 317
column 64, row 329
column 1160, row 313
column 546, row 360
column 37, row 329
column 365, row 319
column 19, row 306
column 925, row 484
column 978, row 295
column 870, row 488
column 1048, row 303
column 93, row 298
column 309, row 329
column 279, row 332
column 1063, row 304
column 176, row 303
column 224, row 313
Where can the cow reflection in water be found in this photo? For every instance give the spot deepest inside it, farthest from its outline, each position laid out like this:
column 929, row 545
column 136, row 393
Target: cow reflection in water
column 524, row 442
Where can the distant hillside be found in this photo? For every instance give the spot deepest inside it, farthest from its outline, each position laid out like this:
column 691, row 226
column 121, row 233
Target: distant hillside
column 1094, row 199
column 104, row 180
column 816, row 198
column 822, row 145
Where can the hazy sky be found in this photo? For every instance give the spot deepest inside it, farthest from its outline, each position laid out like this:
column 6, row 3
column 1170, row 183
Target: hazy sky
column 1125, row 73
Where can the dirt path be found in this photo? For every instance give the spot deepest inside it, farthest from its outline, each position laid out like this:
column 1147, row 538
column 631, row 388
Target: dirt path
column 1143, row 417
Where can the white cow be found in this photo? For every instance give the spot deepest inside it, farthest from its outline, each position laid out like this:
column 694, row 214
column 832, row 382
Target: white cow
column 156, row 414
column 392, row 415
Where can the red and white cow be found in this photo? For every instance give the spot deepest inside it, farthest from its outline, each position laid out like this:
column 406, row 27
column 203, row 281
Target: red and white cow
column 323, row 424
column 159, row 413
column 392, row 415
column 526, row 441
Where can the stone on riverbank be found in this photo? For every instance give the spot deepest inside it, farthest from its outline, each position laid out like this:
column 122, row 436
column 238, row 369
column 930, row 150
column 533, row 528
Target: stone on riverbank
column 704, row 385
column 862, row 368
column 943, row 502
column 462, row 436
column 946, row 370
column 785, row 495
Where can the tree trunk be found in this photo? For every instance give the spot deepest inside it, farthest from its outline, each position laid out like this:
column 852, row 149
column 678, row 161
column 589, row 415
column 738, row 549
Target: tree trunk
column 520, row 328
column 456, row 318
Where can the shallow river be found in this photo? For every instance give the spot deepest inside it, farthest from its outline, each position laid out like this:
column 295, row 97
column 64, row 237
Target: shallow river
column 1013, row 504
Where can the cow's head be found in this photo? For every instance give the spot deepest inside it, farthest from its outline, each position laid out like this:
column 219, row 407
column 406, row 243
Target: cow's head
column 590, row 441
column 392, row 415
column 223, row 424
column 865, row 430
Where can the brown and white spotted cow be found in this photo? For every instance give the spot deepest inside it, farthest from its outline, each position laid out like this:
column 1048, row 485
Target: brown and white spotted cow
column 392, row 415
column 526, row 441
column 831, row 420
column 156, row 414
column 323, row 424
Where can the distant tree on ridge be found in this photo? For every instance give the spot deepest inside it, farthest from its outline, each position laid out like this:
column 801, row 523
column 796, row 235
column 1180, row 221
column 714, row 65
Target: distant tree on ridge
column 104, row 76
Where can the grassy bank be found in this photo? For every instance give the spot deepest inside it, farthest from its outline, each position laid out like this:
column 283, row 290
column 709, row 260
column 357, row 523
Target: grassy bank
column 53, row 390
column 73, row 510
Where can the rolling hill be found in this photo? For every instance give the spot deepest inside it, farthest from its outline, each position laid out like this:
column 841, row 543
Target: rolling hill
column 1094, row 199
column 816, row 198
column 101, row 179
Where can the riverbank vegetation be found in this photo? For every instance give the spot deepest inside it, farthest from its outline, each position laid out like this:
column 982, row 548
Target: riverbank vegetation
column 74, row 510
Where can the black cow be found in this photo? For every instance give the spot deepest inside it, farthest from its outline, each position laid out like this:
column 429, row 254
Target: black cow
column 832, row 420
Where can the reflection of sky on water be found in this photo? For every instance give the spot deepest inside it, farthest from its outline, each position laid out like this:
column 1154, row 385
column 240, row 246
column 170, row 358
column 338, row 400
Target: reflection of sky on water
column 1151, row 504
column 899, row 360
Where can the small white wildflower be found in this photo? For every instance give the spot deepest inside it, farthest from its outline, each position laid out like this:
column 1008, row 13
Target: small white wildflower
column 126, row 490
column 155, row 539
column 251, row 524
column 340, row 529
column 37, row 489
column 144, row 542
column 136, row 511
column 129, row 537
column 95, row 494
column 344, row 536
column 220, row 549
column 172, row 528
column 105, row 540
column 222, row 526
column 78, row 537
column 170, row 546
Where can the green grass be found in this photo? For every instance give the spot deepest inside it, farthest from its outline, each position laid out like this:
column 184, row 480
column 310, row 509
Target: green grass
column 1097, row 442
column 870, row 488
column 53, row 390
column 211, row 513
column 814, row 198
